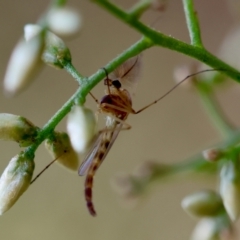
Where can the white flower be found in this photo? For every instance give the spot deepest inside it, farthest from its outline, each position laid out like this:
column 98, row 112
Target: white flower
column 81, row 127
column 17, row 128
column 31, row 31
column 59, row 147
column 230, row 188
column 64, row 21
column 24, row 64
column 14, row 181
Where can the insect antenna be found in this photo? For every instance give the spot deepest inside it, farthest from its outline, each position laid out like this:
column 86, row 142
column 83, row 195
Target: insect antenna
column 39, row 174
column 179, row 83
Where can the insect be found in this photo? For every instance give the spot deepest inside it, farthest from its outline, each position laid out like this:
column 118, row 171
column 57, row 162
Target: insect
column 117, row 105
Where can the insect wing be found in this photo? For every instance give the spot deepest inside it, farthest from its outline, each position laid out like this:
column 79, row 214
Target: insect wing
column 92, row 153
column 116, row 131
column 90, row 156
column 129, row 72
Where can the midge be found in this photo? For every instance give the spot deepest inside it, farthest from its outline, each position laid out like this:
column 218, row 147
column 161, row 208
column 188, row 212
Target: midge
column 117, row 105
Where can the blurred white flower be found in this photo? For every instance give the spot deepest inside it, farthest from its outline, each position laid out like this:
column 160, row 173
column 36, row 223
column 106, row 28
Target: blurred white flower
column 64, row 21
column 31, row 31
column 218, row 228
column 24, row 64
column 230, row 188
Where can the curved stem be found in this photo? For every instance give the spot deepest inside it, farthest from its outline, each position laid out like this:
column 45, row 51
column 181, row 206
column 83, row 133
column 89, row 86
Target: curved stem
column 214, row 111
column 75, row 74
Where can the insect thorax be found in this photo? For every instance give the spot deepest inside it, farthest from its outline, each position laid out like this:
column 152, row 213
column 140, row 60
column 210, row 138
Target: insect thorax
column 117, row 103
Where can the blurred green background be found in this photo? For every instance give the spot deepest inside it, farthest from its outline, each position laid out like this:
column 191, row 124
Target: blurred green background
column 171, row 131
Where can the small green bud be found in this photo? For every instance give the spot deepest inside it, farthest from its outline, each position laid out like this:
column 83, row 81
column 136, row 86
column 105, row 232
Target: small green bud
column 64, row 21
column 15, row 180
column 81, row 127
column 59, row 147
column 230, row 188
column 203, row 204
column 17, row 128
column 212, row 155
column 56, row 53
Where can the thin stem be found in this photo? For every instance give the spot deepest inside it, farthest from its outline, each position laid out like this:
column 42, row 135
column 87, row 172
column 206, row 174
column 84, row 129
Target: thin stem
column 74, row 73
column 192, row 23
column 214, row 111
column 139, row 8
column 160, row 39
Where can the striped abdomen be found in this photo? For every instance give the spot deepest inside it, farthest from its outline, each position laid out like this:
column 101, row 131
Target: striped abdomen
column 98, row 158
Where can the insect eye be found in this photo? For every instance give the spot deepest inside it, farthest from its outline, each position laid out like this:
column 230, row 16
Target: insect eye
column 116, row 84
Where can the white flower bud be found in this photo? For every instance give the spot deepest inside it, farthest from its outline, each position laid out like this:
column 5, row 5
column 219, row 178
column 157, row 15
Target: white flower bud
column 15, row 180
column 81, row 127
column 24, row 64
column 64, row 21
column 59, row 147
column 17, row 128
column 203, row 204
column 216, row 228
column 56, row 52
column 230, row 188
column 31, row 31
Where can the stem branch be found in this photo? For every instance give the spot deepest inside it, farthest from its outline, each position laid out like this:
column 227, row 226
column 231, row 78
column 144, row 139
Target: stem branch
column 192, row 23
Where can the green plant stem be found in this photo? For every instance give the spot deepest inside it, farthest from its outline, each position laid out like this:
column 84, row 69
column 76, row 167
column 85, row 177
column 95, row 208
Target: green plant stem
column 192, row 23
column 171, row 43
column 74, row 73
column 132, row 51
column 139, row 8
column 214, row 111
